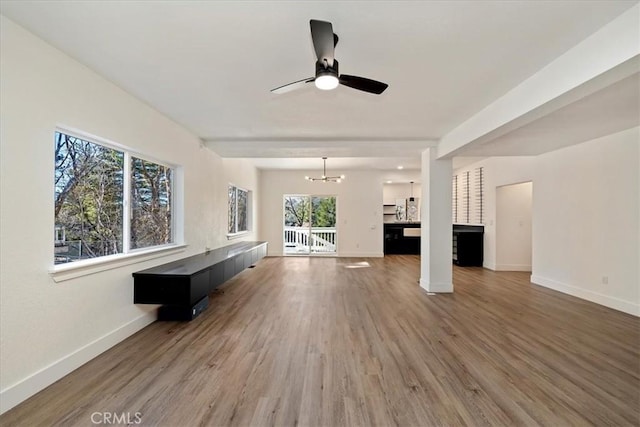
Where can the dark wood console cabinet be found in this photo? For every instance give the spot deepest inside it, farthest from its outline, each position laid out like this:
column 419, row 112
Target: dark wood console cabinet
column 183, row 286
column 468, row 245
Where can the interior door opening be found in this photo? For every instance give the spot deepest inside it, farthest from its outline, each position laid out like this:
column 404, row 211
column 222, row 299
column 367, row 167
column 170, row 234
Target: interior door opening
column 514, row 206
column 309, row 225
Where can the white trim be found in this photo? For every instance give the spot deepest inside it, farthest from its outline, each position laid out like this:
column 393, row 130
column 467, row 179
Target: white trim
column 231, row 236
column 249, row 211
column 72, row 270
column 89, row 137
column 126, row 204
column 22, row 390
column 237, row 187
column 512, row 267
column 490, row 266
column 446, row 288
column 86, row 136
column 629, row 307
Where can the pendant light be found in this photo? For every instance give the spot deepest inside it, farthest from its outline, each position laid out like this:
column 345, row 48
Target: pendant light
column 324, row 177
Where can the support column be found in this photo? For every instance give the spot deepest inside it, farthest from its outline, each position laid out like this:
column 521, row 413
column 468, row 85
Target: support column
column 436, row 235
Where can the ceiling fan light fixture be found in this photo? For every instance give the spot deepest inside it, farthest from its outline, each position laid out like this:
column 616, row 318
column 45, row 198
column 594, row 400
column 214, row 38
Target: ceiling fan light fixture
column 326, row 82
column 327, row 75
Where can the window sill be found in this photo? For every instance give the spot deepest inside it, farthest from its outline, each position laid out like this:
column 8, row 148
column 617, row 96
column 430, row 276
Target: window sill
column 73, row 270
column 237, row 235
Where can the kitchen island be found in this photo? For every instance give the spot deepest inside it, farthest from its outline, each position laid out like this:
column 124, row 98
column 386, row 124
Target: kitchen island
column 402, row 238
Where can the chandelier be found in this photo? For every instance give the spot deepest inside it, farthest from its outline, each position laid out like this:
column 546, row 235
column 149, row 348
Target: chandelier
column 324, row 177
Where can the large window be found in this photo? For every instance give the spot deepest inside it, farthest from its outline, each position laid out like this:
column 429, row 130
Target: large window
column 238, row 211
column 91, row 193
column 309, row 224
column 150, row 204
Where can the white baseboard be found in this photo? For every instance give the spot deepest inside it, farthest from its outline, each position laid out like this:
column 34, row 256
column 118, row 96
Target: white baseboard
column 506, row 267
column 598, row 298
column 21, row 391
column 512, row 267
column 436, row 287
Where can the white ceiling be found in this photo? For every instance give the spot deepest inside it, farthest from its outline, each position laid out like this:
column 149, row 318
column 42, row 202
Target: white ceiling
column 210, row 65
column 340, row 163
column 604, row 112
column 399, row 164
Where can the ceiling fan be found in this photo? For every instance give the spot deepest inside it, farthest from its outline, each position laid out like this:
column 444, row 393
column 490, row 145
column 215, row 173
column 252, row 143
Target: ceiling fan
column 327, row 77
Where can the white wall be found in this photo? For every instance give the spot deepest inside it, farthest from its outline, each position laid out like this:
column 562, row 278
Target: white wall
column 498, row 171
column 243, row 174
column 359, row 208
column 513, row 227
column 585, row 217
column 391, row 192
column 49, row 328
column 586, row 220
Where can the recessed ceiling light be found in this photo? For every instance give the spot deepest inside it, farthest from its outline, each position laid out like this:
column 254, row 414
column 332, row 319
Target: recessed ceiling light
column 389, row 182
column 401, row 167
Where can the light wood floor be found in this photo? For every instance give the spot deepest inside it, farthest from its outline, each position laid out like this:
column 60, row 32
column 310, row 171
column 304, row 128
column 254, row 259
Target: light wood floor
column 310, row 341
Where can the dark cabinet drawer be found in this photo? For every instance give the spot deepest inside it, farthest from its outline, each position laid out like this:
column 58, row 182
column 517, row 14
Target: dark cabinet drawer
column 229, row 269
column 162, row 290
column 216, row 276
column 239, row 260
column 199, row 286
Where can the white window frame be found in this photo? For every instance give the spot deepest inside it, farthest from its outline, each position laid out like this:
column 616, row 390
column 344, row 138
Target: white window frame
column 61, row 272
column 236, row 234
column 127, row 219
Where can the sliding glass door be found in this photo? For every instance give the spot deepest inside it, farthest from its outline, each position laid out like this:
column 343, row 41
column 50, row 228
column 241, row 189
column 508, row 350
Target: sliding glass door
column 309, row 224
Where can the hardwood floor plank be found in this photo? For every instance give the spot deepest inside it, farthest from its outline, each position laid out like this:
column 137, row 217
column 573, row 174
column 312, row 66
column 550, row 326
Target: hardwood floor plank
column 335, row 342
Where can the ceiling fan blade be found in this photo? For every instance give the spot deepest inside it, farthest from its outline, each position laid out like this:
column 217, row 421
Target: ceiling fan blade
column 323, row 41
column 361, row 83
column 292, row 86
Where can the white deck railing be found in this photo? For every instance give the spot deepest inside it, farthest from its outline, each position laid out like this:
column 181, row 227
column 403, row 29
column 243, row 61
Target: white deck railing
column 298, row 240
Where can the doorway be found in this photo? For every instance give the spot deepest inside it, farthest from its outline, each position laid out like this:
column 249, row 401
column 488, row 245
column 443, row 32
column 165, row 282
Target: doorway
column 513, row 227
column 309, row 224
